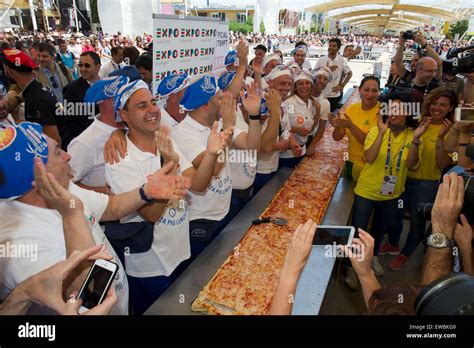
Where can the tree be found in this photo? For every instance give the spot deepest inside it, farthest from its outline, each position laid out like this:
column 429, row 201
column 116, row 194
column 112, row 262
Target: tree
column 460, row 27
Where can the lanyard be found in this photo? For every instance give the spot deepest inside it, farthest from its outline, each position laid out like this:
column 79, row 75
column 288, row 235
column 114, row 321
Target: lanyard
column 388, row 166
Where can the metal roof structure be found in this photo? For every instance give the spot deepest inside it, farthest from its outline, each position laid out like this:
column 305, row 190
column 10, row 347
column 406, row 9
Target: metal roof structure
column 393, row 14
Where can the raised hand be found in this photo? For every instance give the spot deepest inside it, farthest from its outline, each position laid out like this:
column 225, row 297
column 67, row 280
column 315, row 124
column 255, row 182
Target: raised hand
column 227, row 110
column 447, row 124
column 252, row 100
column 218, row 141
column 257, row 68
column 422, row 127
column 242, row 52
column 165, row 145
column 55, row 195
column 383, row 126
column 273, row 99
column 164, row 186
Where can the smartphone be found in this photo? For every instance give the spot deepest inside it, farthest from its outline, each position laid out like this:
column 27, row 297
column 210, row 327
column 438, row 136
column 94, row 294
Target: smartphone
column 328, row 235
column 97, row 284
column 463, row 114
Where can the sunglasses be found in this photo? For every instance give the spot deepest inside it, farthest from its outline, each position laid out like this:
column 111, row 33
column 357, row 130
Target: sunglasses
column 86, row 65
column 376, row 76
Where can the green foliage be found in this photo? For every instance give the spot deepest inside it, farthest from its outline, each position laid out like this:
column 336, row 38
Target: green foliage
column 460, row 27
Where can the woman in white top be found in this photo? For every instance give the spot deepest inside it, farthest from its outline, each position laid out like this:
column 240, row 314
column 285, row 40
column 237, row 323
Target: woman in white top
column 303, row 113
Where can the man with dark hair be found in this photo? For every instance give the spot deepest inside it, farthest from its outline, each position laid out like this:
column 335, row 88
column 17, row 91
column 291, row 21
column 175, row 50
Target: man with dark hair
column 130, row 55
column 144, row 65
column 77, row 115
column 67, row 58
column 40, row 103
column 116, row 63
column 51, row 74
column 339, row 68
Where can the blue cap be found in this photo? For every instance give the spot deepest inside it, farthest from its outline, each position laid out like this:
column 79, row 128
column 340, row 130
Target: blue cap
column 171, row 84
column 19, row 145
column 129, row 71
column 231, row 58
column 105, row 89
column 124, row 94
column 225, row 79
column 199, row 93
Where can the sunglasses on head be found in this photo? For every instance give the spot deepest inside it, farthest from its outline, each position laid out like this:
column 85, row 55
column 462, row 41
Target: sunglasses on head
column 376, row 76
column 86, row 65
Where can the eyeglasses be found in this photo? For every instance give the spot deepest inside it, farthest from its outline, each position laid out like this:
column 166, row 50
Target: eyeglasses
column 86, row 65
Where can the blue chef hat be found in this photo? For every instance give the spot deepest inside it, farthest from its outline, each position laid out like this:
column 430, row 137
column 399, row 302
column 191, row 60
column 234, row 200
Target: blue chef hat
column 172, row 84
column 199, row 93
column 105, row 89
column 231, row 58
column 19, row 145
column 124, row 94
column 226, row 79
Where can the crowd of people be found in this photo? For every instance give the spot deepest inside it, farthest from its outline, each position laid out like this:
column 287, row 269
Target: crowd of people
column 92, row 155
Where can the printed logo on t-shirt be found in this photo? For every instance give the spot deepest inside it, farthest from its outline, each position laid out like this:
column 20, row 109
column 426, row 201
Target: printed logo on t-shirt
column 7, row 136
column 220, row 186
column 175, row 214
column 249, row 170
column 92, row 219
column 300, row 120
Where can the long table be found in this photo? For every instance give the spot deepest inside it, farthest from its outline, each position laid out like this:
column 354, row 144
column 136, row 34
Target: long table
column 177, row 299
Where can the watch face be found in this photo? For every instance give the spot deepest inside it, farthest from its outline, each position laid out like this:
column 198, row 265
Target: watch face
column 438, row 239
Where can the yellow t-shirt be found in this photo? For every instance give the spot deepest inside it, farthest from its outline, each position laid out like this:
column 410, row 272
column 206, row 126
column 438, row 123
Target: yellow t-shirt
column 364, row 120
column 372, row 175
column 428, row 169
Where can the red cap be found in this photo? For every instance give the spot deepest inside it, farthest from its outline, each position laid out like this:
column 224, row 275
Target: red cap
column 19, row 60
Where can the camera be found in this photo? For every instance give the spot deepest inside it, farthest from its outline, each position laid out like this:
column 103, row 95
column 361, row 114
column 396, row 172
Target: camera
column 424, row 209
column 455, row 65
column 408, row 35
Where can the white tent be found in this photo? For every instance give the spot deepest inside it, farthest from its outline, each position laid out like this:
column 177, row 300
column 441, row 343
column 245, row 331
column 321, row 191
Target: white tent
column 130, row 17
column 269, row 11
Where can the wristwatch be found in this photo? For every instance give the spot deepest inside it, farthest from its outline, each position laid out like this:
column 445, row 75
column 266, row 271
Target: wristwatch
column 143, row 195
column 440, row 241
column 255, row 117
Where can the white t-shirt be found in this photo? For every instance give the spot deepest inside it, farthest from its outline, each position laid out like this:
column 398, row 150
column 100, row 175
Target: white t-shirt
column 306, row 64
column 301, row 115
column 76, row 50
column 268, row 163
column 109, row 67
column 8, row 121
column 325, row 110
column 214, row 203
column 171, row 234
column 342, row 67
column 87, row 154
column 43, row 228
column 243, row 172
column 167, row 119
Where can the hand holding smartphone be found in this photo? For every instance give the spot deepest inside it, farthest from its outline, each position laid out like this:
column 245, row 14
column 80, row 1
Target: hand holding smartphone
column 97, row 284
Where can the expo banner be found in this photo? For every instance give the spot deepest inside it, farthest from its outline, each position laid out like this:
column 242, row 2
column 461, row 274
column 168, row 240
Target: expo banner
column 185, row 44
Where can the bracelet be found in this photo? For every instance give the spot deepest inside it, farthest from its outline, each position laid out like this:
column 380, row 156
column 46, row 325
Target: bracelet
column 464, row 144
column 416, row 142
column 143, row 195
column 255, row 117
column 439, row 145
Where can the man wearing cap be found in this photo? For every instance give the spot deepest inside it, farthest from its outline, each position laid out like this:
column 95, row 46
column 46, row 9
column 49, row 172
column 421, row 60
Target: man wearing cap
column 321, row 79
column 31, row 219
column 260, row 52
column 270, row 61
column 209, row 208
column 153, row 271
column 74, row 93
column 339, row 67
column 171, row 90
column 231, row 61
column 279, row 79
column 87, row 150
column 40, row 103
column 299, row 57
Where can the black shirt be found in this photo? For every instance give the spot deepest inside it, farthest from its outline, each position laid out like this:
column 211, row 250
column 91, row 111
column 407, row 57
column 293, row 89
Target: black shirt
column 40, row 104
column 72, row 125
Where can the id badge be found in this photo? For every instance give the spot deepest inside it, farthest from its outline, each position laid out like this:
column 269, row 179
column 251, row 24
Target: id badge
column 388, row 186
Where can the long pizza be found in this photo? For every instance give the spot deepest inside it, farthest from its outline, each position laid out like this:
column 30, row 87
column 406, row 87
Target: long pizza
column 246, row 282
